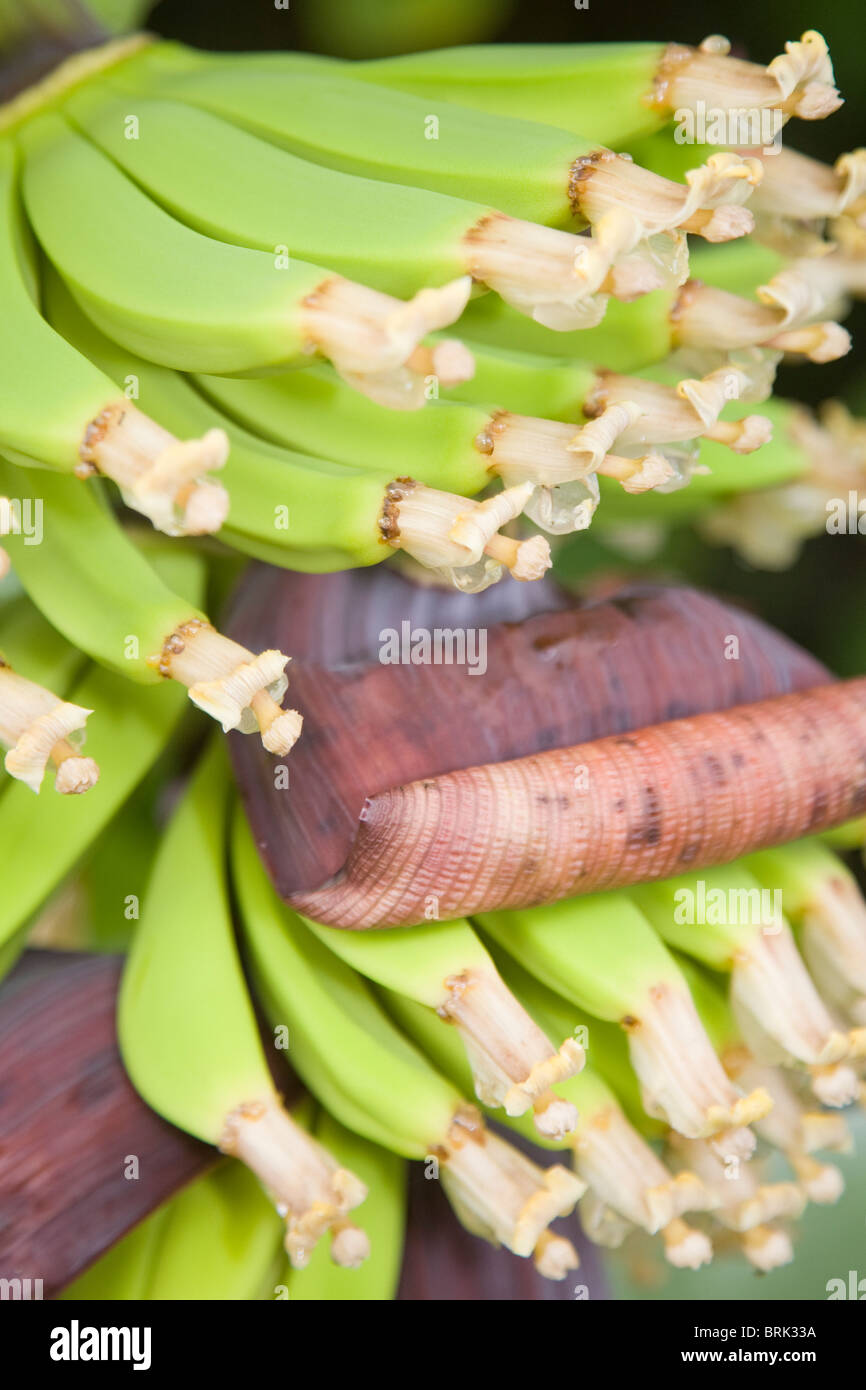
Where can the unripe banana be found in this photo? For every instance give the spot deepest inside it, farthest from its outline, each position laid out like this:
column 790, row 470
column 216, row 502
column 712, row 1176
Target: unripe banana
column 620, row 1170
column 365, row 1072
column 537, row 173
column 220, row 1240
column 608, row 91
column 602, row 953
column 43, row 840
column 86, row 426
column 90, row 581
column 404, row 237
column 444, row 966
column 705, row 323
column 314, row 411
column 724, row 919
column 188, row 1034
column 823, row 901
column 310, row 513
column 384, row 1175
column 217, row 1239
column 193, row 302
column 122, row 1273
column 614, row 90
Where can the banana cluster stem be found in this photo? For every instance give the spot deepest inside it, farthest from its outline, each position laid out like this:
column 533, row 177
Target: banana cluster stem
column 164, row 478
column 35, row 727
column 312, row 1192
column 498, row 1192
column 235, row 687
column 513, row 1063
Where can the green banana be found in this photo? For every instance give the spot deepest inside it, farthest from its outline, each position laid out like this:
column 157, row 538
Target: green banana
column 405, row 236
column 190, row 301
column 600, row 89
column 217, row 1239
column 121, row 1274
column 221, row 1239
column 823, row 901
column 285, row 503
column 384, row 1174
column 613, row 91
column 602, row 953
column 444, row 966
column 704, row 323
column 93, row 584
column 44, row 840
column 188, row 1034
column 314, row 411
column 626, row 1183
column 88, row 426
column 533, row 171
column 365, row 1072
column 725, row 919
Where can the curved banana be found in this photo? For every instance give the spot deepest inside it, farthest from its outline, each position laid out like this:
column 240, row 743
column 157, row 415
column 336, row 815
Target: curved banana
column 403, row 236
column 618, row 1168
column 188, row 1034
column 384, row 1175
column 602, row 953
column 93, row 584
column 532, row 172
column 444, row 966
column 310, row 513
column 81, row 423
column 193, row 302
column 364, row 1071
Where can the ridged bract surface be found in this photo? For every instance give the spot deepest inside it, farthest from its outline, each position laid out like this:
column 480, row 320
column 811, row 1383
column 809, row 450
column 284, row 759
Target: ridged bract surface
column 558, row 674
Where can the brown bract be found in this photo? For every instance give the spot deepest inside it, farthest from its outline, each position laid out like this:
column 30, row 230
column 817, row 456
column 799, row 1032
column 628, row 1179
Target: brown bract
column 557, row 674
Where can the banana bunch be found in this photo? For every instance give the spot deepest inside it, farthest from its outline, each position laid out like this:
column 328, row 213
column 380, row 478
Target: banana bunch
column 674, row 1044
column 229, row 288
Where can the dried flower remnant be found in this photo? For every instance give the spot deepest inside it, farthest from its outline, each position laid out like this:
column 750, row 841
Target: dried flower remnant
column 37, row 728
